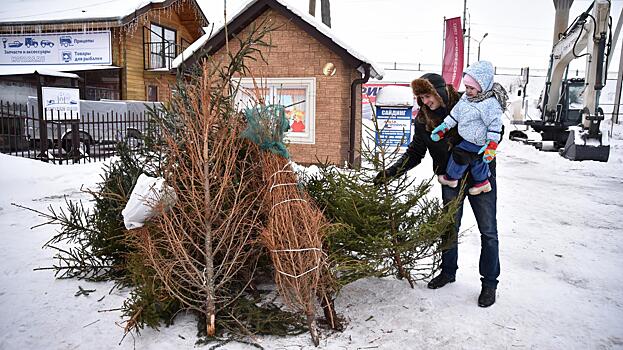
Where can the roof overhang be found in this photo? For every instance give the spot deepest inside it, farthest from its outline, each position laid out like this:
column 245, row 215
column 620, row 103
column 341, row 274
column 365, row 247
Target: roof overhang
column 211, row 44
column 118, row 20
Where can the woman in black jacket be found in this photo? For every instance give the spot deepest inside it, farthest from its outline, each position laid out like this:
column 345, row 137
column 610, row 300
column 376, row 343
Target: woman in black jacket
column 436, row 100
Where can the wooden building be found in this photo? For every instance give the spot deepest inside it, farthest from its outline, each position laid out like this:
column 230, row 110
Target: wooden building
column 120, row 49
column 307, row 68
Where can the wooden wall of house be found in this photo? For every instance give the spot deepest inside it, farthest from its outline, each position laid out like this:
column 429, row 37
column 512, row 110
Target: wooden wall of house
column 132, row 52
column 128, row 47
column 297, row 54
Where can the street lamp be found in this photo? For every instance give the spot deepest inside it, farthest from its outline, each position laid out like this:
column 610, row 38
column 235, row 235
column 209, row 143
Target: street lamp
column 469, row 37
column 480, row 42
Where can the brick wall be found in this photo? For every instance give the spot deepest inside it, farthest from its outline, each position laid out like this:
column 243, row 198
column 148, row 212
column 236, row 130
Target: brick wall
column 297, row 54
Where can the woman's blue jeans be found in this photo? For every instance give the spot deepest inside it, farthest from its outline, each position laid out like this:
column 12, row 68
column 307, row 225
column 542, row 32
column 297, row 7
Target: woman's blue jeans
column 484, row 208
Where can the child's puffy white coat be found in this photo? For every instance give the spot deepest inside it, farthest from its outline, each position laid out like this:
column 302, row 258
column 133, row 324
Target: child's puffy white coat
column 478, row 121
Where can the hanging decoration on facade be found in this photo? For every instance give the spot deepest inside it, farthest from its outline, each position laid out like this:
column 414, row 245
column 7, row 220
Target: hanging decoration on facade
column 128, row 24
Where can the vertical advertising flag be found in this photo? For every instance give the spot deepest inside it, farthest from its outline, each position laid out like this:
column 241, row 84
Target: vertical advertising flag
column 452, row 70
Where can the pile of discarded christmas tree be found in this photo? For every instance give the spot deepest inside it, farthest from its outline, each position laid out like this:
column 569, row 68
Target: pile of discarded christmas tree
column 234, row 217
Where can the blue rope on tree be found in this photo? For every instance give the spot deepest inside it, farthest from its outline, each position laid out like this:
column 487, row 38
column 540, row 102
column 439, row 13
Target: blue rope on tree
column 266, row 128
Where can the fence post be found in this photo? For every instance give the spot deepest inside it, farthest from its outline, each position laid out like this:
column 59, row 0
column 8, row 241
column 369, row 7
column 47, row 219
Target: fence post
column 43, row 127
column 75, row 142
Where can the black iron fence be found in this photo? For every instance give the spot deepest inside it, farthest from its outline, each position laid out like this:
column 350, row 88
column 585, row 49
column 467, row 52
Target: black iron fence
column 66, row 138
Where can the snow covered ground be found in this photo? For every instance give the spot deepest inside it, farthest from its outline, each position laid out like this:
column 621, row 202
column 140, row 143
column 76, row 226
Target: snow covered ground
column 561, row 285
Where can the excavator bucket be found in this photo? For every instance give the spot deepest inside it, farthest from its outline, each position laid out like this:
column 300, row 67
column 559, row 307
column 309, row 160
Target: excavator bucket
column 581, row 147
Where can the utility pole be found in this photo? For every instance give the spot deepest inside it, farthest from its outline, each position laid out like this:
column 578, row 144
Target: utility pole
column 443, row 39
column 464, row 12
column 469, row 36
column 464, row 17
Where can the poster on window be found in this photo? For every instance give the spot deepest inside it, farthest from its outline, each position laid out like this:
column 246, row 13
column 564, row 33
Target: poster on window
column 296, row 95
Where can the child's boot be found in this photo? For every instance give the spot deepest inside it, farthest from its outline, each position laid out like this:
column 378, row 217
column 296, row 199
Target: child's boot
column 480, row 187
column 444, row 180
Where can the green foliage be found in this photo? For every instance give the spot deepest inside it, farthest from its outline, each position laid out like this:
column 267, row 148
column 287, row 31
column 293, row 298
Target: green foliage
column 149, row 303
column 90, row 244
column 391, row 229
column 380, row 231
column 110, row 198
column 100, row 248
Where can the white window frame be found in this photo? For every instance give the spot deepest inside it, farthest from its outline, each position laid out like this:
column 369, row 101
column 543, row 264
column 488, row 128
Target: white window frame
column 309, row 84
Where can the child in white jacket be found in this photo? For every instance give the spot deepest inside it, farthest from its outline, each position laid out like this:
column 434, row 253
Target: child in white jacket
column 478, row 115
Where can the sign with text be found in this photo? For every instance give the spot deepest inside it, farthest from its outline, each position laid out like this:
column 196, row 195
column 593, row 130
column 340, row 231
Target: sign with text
column 57, row 48
column 61, row 103
column 452, row 68
column 394, row 126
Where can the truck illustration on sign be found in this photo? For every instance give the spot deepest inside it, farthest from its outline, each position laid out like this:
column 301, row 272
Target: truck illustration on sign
column 31, row 42
column 65, row 40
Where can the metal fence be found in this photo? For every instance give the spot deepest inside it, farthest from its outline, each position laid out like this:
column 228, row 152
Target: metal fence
column 64, row 139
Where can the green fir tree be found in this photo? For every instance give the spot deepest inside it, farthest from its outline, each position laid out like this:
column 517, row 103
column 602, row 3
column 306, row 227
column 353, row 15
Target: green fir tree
column 393, row 228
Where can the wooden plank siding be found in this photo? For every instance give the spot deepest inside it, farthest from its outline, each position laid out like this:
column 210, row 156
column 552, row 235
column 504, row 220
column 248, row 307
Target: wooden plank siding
column 127, row 44
column 133, row 53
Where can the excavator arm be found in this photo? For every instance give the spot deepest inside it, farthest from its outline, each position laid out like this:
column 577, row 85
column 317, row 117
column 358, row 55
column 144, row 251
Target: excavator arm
column 589, row 31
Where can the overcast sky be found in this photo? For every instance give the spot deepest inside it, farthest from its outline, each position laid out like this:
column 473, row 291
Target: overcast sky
column 411, row 31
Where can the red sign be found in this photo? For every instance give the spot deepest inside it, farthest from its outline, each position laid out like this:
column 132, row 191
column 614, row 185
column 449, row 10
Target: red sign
column 452, row 70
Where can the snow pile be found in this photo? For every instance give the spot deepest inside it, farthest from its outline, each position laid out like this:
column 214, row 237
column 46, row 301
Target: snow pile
column 395, row 96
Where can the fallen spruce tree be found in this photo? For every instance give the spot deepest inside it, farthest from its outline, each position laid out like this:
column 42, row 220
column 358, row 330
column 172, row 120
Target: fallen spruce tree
column 242, row 219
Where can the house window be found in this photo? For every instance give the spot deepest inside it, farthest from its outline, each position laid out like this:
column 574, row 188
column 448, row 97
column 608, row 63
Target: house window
column 297, row 95
column 162, row 47
column 152, row 93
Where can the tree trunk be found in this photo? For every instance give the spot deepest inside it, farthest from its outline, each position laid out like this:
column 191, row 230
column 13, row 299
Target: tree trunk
column 210, row 310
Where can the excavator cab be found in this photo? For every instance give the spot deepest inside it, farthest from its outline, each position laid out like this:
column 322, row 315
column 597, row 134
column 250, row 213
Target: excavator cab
column 572, row 102
column 555, row 123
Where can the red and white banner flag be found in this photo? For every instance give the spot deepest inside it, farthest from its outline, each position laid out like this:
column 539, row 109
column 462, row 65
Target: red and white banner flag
column 452, row 70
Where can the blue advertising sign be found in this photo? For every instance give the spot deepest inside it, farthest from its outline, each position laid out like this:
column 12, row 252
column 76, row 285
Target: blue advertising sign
column 56, row 48
column 394, row 126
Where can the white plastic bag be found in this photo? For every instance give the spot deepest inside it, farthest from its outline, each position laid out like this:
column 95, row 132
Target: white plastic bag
column 146, row 195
